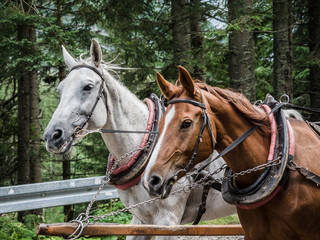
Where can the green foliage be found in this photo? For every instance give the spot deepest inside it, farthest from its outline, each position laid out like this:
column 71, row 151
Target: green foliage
column 11, row 229
column 53, row 215
column 108, row 207
column 263, row 82
column 137, row 34
column 111, row 206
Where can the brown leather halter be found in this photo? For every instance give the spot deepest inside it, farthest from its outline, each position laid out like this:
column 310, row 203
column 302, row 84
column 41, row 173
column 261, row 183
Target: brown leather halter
column 205, row 120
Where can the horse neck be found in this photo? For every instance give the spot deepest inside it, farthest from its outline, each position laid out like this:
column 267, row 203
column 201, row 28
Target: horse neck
column 252, row 152
column 125, row 112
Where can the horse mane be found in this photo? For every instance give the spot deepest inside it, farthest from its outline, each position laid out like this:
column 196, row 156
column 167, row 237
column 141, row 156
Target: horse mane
column 239, row 102
column 109, row 71
column 108, row 66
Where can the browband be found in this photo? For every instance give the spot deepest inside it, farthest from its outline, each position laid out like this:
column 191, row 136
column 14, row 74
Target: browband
column 90, row 67
column 195, row 103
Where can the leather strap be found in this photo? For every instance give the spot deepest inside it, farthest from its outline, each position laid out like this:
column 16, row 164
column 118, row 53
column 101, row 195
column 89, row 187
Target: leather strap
column 195, row 103
column 90, row 67
column 309, row 175
column 206, row 188
column 101, row 91
column 240, row 139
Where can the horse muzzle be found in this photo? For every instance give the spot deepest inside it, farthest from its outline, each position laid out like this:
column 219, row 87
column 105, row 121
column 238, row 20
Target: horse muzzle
column 57, row 142
column 157, row 187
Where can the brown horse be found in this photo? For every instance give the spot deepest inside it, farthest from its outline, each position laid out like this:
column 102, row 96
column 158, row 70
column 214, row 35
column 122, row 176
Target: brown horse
column 294, row 210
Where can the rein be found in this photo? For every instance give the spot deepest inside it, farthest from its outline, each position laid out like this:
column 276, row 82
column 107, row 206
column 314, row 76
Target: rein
column 254, row 196
column 241, row 138
column 206, row 121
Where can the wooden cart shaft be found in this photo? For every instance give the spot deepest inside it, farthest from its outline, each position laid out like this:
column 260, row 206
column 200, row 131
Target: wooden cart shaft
column 105, row 229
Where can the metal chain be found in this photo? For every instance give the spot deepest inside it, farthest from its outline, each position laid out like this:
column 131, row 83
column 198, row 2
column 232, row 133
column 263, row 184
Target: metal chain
column 206, row 180
column 191, row 186
column 83, row 218
column 127, row 155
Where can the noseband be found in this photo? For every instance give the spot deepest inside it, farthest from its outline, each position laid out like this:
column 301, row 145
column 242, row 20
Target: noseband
column 205, row 120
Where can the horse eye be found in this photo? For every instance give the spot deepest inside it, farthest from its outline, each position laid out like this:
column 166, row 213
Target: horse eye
column 186, row 123
column 88, row 87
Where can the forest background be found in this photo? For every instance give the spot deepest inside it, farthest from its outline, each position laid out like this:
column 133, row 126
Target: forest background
column 254, row 47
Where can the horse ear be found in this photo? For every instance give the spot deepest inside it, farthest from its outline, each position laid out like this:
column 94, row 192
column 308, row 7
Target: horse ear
column 167, row 88
column 95, row 52
column 186, row 80
column 68, row 59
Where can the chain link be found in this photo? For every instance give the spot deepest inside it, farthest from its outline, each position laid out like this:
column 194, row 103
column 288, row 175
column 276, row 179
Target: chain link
column 206, row 180
column 84, row 218
column 203, row 181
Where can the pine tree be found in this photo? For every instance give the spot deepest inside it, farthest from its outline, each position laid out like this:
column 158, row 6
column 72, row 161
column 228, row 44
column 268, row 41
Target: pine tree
column 241, row 47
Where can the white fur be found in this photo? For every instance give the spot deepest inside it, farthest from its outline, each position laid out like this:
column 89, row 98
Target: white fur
column 127, row 112
column 157, row 147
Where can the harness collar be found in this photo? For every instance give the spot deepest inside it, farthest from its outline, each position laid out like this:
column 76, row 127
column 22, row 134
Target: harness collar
column 273, row 178
column 276, row 176
column 130, row 174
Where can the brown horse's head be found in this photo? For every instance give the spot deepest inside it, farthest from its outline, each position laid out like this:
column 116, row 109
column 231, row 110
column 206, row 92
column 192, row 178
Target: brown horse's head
column 179, row 130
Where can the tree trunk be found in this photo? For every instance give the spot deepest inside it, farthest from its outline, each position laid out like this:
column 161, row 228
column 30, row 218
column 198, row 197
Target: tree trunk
column 66, row 162
column 35, row 161
column 197, row 40
column 29, row 166
column 314, row 47
column 181, row 34
column 241, row 47
column 23, row 117
column 66, row 166
column 282, row 77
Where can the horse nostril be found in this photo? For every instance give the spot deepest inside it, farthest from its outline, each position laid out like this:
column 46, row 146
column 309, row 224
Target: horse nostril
column 155, row 183
column 57, row 134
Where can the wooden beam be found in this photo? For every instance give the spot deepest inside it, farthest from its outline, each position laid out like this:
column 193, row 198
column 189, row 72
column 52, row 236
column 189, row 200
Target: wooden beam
column 105, row 229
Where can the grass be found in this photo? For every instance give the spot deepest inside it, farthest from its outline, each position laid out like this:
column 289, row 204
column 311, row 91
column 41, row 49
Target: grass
column 233, row 219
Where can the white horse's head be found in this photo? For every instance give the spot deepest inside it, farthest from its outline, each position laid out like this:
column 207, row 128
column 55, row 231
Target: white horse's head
column 79, row 106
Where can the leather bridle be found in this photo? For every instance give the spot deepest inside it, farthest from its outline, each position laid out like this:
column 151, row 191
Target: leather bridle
column 79, row 131
column 205, row 120
column 100, row 94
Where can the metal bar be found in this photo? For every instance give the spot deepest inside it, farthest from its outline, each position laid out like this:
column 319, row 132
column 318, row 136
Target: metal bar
column 51, row 194
column 105, row 229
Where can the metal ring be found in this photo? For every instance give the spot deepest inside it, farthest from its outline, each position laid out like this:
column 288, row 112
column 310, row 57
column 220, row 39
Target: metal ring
column 286, row 98
column 258, row 103
column 79, row 229
column 81, row 133
column 187, row 188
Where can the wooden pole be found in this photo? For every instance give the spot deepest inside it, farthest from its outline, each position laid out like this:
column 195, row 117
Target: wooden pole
column 105, row 229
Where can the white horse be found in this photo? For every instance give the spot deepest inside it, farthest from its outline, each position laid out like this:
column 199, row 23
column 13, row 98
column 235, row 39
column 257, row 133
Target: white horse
column 118, row 108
